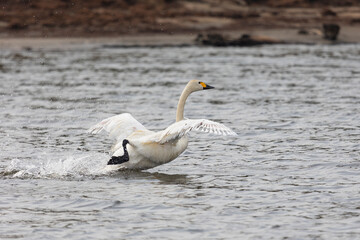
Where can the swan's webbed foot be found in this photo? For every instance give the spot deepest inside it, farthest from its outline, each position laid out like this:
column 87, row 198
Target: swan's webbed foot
column 120, row 159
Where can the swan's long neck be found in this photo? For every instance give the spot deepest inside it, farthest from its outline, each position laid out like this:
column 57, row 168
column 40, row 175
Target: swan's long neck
column 181, row 104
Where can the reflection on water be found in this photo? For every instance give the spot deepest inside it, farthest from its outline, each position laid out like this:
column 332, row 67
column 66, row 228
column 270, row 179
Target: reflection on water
column 163, row 178
column 292, row 171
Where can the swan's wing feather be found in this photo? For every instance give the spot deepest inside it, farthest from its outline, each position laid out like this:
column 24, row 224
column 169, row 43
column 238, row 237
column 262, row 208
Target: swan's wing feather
column 118, row 127
column 181, row 128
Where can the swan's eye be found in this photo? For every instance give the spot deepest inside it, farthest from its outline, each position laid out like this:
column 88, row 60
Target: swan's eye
column 199, row 82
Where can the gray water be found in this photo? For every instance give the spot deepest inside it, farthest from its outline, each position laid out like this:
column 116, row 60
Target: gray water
column 291, row 173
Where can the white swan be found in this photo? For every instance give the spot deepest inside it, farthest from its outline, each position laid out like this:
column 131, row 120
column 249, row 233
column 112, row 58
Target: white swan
column 138, row 148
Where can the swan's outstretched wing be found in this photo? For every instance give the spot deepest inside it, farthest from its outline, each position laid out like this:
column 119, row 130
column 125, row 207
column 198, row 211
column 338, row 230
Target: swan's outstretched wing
column 179, row 129
column 118, row 127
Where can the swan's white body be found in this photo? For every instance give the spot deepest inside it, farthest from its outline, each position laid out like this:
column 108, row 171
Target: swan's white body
column 148, row 149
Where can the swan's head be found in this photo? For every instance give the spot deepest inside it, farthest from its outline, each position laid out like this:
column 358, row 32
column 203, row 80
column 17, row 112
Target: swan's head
column 196, row 85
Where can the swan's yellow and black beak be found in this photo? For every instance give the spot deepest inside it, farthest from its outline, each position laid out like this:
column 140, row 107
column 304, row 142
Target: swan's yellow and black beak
column 205, row 86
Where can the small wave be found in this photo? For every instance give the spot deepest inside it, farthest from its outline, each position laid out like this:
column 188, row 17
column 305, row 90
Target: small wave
column 73, row 167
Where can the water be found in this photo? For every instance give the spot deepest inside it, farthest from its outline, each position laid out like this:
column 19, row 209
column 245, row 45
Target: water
column 291, row 173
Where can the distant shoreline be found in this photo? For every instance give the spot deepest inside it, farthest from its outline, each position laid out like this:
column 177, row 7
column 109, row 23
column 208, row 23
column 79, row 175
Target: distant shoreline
column 94, row 18
column 67, row 24
column 348, row 34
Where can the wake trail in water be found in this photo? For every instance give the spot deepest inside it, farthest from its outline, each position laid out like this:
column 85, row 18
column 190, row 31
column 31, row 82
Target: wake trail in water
column 73, row 166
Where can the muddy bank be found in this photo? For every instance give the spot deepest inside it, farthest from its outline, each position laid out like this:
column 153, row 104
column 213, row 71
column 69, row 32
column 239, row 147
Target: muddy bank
column 289, row 36
column 148, row 22
column 110, row 17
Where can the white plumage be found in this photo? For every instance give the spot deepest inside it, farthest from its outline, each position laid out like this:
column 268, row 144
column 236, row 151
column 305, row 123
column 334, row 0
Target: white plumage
column 147, row 149
column 181, row 128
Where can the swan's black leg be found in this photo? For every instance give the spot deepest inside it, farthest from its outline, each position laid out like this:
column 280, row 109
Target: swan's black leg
column 120, row 159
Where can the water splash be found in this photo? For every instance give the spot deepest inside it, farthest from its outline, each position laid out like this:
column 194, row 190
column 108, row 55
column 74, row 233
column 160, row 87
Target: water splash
column 74, row 167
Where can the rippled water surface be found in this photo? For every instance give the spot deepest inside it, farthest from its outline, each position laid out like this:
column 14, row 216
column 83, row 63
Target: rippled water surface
column 291, row 173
